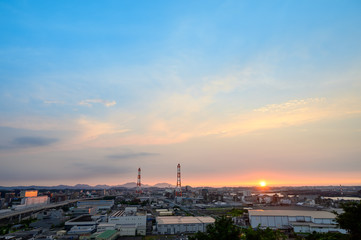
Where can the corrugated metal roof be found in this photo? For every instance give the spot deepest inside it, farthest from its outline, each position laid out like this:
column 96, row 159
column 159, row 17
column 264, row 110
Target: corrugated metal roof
column 292, row 213
column 310, row 224
column 184, row 220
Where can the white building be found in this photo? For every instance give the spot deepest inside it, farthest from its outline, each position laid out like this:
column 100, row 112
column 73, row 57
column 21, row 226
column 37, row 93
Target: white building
column 179, row 224
column 128, row 218
column 300, row 221
column 102, row 227
column 164, row 212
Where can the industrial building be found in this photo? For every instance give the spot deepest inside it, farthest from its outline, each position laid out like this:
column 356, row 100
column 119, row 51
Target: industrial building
column 98, row 204
column 83, row 211
column 82, row 230
column 300, row 221
column 82, row 221
column 179, row 224
column 107, row 235
column 28, row 202
column 29, row 193
column 129, row 221
column 102, row 227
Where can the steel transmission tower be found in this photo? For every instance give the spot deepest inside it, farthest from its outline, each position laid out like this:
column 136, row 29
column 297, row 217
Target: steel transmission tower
column 178, row 189
column 139, row 184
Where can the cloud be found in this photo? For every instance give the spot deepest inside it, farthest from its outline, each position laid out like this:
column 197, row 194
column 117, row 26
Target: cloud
column 53, row 102
column 131, row 155
column 89, row 102
column 290, row 105
column 28, row 142
column 92, row 129
column 33, row 141
column 99, row 169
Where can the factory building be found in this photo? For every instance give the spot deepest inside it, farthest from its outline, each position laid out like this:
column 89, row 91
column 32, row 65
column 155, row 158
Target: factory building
column 97, row 204
column 300, row 221
column 82, row 221
column 179, row 224
column 29, row 193
column 29, row 201
column 129, row 221
column 78, row 230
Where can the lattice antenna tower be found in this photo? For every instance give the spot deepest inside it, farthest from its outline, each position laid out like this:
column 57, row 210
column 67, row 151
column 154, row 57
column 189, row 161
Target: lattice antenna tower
column 178, row 189
column 139, row 184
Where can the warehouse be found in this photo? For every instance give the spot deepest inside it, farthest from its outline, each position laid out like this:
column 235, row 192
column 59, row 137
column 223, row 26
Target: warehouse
column 178, row 224
column 300, row 221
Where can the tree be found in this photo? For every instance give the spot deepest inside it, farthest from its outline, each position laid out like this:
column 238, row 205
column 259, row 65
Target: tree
column 261, row 234
column 350, row 219
column 327, row 236
column 222, row 229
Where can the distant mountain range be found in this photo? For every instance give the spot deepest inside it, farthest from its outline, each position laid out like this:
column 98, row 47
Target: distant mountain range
column 86, row 186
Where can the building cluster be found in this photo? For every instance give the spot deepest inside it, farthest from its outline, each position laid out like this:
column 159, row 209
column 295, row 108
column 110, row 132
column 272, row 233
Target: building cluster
column 138, row 211
column 25, row 199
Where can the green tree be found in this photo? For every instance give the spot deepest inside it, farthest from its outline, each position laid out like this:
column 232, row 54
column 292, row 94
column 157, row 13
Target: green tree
column 261, row 234
column 222, row 229
column 327, row 236
column 350, row 219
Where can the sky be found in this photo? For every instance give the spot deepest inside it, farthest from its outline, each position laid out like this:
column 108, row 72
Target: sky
column 235, row 91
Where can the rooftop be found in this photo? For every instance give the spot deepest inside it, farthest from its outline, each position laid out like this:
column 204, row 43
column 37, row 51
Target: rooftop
column 82, row 218
column 310, row 224
column 184, row 220
column 107, row 234
column 292, row 213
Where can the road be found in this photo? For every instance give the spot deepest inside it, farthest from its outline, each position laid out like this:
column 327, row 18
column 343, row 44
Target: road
column 38, row 208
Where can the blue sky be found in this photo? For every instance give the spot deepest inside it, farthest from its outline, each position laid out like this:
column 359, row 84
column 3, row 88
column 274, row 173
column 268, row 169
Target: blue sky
column 243, row 89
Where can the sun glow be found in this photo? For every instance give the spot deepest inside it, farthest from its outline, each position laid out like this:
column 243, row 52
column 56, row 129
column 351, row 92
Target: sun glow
column 262, row 183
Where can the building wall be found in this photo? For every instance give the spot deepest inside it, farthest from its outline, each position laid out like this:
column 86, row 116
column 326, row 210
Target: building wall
column 29, row 193
column 278, row 222
column 28, row 201
column 181, row 228
column 104, row 227
column 269, row 221
column 127, row 231
column 137, row 220
column 140, row 223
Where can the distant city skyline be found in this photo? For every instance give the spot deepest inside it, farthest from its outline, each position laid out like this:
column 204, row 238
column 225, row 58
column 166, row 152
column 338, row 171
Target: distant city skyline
column 237, row 92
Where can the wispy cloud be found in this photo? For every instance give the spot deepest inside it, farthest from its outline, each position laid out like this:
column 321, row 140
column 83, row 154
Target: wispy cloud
column 287, row 106
column 129, row 155
column 53, row 102
column 99, row 169
column 92, row 129
column 29, row 142
column 33, row 141
column 90, row 102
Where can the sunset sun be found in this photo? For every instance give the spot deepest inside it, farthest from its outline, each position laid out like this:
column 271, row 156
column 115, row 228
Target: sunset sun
column 262, row 183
